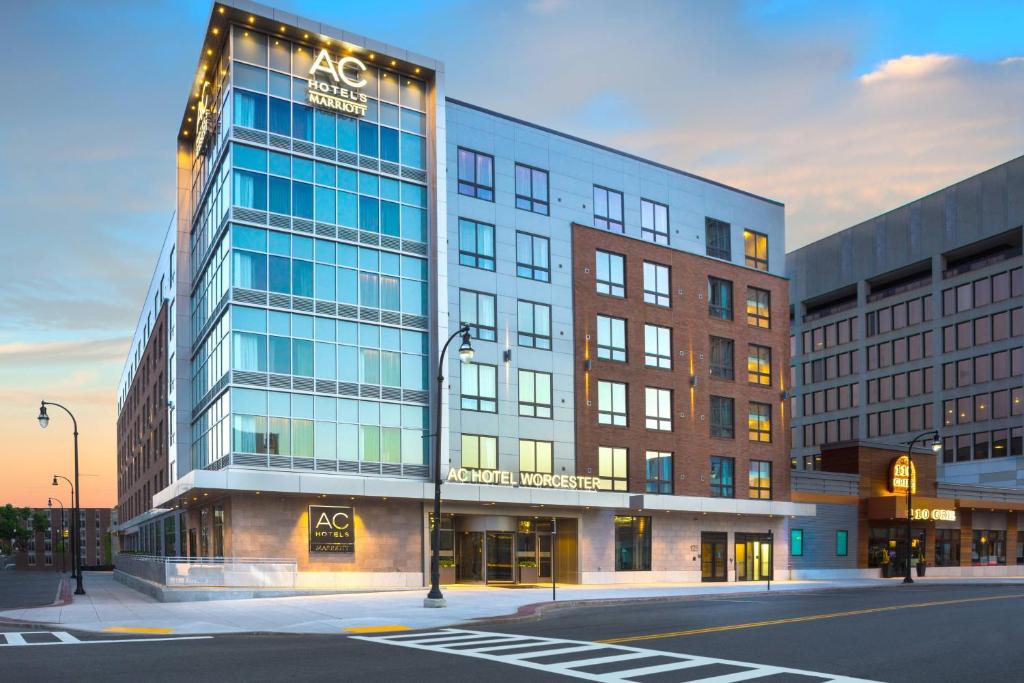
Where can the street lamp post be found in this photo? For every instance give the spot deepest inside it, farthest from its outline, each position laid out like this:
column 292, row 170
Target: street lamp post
column 74, row 565
column 76, row 495
column 936, row 445
column 434, row 597
column 60, row 534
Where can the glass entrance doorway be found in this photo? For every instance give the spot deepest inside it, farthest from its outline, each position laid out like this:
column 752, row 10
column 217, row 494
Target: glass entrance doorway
column 469, row 556
column 888, row 546
column 753, row 557
column 713, row 549
column 500, row 545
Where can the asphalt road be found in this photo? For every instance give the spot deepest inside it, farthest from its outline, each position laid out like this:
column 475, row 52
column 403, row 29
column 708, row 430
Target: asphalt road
column 913, row 633
column 28, row 588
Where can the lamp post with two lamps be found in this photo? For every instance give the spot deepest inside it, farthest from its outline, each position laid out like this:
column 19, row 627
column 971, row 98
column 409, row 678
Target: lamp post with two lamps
column 435, row 598
column 76, row 494
column 936, row 446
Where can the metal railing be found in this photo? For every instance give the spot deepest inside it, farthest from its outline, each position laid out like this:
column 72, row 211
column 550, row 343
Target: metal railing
column 233, row 572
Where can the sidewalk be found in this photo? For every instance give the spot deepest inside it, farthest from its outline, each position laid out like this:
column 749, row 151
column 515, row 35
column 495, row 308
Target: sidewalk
column 109, row 605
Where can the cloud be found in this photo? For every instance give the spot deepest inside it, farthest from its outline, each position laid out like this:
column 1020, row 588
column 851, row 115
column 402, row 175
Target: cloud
column 910, row 67
column 65, row 352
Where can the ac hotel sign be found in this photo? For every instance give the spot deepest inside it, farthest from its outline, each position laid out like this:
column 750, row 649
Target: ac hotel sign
column 462, row 475
column 337, row 84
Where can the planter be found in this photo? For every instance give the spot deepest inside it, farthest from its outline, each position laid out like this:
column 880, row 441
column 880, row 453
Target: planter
column 920, row 569
column 886, row 571
column 527, row 575
column 447, row 575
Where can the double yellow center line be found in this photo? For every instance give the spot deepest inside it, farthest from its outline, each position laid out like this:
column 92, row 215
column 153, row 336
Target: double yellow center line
column 810, row 617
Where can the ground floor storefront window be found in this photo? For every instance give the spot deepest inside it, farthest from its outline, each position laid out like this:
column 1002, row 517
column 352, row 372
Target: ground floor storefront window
column 753, row 555
column 947, row 548
column 887, row 547
column 632, row 543
column 988, row 547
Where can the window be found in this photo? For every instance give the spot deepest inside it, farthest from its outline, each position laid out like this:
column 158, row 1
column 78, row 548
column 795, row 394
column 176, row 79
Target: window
column 760, row 480
column 612, row 469
column 719, row 298
column 608, row 209
column 722, row 477
column 632, row 544
column 531, row 189
column 611, row 338
column 759, row 305
column 480, row 387
column 653, row 221
column 722, row 358
column 476, row 244
column 479, row 452
column 476, row 174
column 657, row 346
column 947, row 548
column 842, row 542
column 477, row 310
column 534, row 325
column 759, row 422
column 717, row 238
column 611, row 274
column 534, row 393
column 723, row 421
column 658, row 408
column 796, row 542
column 755, row 248
column 611, row 403
column 656, row 284
column 659, row 472
column 535, row 456
column 532, row 260
column 759, row 365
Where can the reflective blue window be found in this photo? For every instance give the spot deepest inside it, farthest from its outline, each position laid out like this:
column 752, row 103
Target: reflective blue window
column 325, row 204
column 324, row 174
column 325, row 128
column 302, row 169
column 302, row 278
column 250, row 190
column 250, row 110
column 302, row 200
column 302, row 122
column 280, row 195
column 280, row 243
column 347, row 135
column 368, row 214
column 280, row 275
column 302, row 358
column 281, row 164
column 280, row 355
column 347, row 179
column 248, row 238
column 249, row 270
column 367, row 138
column 280, row 116
column 414, row 223
column 389, row 144
column 252, row 158
column 302, row 247
column 389, row 224
column 348, row 210
column 414, row 151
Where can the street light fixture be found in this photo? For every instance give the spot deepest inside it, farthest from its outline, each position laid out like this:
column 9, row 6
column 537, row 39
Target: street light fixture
column 74, row 563
column 435, row 598
column 60, row 533
column 76, row 494
column 936, row 446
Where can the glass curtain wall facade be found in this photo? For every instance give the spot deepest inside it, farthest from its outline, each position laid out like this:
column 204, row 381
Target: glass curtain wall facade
column 310, row 308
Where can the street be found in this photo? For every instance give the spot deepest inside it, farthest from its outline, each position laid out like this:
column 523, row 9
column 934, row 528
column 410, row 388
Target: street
column 895, row 633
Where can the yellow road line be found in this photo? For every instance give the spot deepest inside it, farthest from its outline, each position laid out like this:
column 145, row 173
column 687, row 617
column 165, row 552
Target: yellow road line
column 137, row 629
column 811, row 617
column 383, row 628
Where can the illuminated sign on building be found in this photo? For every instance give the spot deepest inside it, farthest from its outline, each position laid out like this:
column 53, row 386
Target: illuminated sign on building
column 207, row 121
column 902, row 475
column 331, row 529
column 339, row 84
column 462, row 475
column 936, row 514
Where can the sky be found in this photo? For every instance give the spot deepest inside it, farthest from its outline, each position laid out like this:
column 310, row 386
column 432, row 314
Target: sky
column 840, row 110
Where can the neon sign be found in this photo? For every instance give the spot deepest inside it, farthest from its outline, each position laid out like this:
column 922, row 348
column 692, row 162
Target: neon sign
column 340, row 89
column 902, row 475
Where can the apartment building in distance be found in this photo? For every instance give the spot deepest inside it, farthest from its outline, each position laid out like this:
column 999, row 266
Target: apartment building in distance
column 51, row 549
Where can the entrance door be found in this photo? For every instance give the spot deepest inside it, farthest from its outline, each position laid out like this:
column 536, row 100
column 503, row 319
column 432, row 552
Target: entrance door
column 469, row 555
column 753, row 557
column 500, row 551
column 713, row 549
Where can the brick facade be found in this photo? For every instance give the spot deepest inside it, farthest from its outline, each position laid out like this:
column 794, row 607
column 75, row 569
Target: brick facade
column 45, row 550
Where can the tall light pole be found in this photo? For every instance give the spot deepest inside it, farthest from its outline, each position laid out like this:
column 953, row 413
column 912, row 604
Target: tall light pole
column 74, row 565
column 60, row 534
column 936, row 446
column 434, row 597
column 76, row 501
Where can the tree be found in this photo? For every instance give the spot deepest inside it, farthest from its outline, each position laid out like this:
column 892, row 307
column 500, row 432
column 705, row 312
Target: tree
column 15, row 529
column 40, row 522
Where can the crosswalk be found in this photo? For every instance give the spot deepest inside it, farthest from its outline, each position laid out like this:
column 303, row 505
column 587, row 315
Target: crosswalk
column 35, row 638
column 594, row 661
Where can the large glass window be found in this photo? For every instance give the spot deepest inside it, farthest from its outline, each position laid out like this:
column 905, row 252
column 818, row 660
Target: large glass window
column 717, row 239
column 722, row 365
column 656, row 284
column 632, row 544
column 755, row 249
column 653, row 221
column 658, row 405
column 760, row 422
column 534, row 325
column 842, row 542
column 476, row 244
column 611, row 338
column 719, row 298
column 947, row 548
column 658, row 468
column 759, row 365
column 796, row 542
column 608, row 209
column 534, row 393
column 759, row 304
column 612, row 468
column 480, row 387
column 476, row 174
column 477, row 309
column 723, row 479
column 535, row 456
column 723, row 421
column 533, row 257
column 988, row 547
column 531, row 189
column 611, row 403
column 760, row 479
column 479, row 452
column 611, row 274
column 657, row 346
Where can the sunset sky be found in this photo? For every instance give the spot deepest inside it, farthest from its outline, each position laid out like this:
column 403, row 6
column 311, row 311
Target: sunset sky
column 839, row 110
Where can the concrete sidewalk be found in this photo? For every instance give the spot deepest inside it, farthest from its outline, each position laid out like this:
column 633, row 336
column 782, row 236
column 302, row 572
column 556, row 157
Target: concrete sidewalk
column 111, row 606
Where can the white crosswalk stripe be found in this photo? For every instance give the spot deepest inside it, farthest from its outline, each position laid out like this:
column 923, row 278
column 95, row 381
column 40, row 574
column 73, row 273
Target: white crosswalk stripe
column 600, row 662
column 18, row 639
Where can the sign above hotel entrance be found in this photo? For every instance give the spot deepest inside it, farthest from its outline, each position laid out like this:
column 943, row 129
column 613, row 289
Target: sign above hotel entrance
column 331, row 529
column 463, row 475
column 336, row 84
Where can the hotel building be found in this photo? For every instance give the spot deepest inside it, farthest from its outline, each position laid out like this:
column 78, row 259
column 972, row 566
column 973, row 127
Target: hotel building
column 623, row 415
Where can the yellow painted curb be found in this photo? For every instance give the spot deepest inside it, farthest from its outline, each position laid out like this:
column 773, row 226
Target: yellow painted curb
column 137, row 629
column 383, row 628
